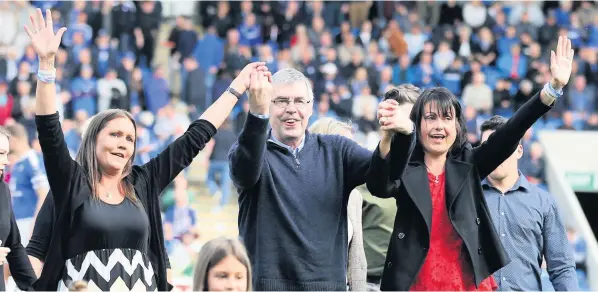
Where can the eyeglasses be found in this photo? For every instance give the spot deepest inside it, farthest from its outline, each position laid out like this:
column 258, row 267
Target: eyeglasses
column 284, row 103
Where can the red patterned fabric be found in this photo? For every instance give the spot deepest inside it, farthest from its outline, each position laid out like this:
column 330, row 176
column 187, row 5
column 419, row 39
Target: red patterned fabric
column 446, row 266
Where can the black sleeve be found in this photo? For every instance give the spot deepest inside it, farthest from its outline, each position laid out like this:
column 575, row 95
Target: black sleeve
column 57, row 159
column 502, row 143
column 179, row 154
column 42, row 230
column 384, row 178
column 246, row 157
column 18, row 262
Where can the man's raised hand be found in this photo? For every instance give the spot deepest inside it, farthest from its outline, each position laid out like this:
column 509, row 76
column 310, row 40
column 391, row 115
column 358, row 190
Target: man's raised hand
column 260, row 92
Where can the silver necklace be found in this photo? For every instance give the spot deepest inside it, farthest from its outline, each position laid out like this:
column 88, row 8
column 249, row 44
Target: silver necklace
column 108, row 195
column 436, row 180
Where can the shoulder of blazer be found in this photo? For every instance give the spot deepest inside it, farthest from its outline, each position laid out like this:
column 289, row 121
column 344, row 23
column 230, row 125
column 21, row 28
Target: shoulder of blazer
column 465, row 153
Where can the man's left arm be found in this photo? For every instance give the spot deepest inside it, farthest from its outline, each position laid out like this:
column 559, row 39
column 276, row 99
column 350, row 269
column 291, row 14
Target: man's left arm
column 558, row 252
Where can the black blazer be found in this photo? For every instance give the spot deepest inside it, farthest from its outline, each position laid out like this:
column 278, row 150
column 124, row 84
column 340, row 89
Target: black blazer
column 468, row 212
column 18, row 262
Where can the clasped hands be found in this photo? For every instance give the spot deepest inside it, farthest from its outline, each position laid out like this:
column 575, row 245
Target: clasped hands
column 394, row 118
column 257, row 80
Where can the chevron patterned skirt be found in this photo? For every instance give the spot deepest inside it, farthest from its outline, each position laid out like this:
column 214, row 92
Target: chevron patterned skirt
column 110, row 270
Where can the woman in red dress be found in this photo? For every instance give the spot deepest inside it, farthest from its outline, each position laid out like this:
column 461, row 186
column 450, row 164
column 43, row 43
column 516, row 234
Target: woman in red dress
column 443, row 237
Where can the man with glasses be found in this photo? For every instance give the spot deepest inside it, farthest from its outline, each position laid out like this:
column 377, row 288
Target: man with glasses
column 294, row 187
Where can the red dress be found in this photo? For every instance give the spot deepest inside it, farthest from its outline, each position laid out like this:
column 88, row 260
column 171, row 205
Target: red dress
column 447, row 266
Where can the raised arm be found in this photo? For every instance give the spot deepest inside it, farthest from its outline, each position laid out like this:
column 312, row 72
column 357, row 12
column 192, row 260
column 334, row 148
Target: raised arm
column 246, row 156
column 56, row 154
column 501, row 144
column 180, row 153
column 392, row 155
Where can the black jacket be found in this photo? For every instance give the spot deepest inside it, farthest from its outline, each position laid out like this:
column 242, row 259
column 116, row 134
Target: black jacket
column 70, row 188
column 466, row 205
column 19, row 264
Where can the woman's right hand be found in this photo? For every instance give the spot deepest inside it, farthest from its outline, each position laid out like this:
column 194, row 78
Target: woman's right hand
column 41, row 33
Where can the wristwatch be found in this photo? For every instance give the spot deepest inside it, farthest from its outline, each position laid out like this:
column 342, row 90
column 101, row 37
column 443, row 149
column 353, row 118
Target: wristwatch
column 234, row 92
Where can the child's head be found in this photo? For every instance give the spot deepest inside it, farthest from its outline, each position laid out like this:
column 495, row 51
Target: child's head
column 222, row 264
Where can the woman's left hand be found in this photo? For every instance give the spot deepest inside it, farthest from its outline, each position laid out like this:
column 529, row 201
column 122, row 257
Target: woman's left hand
column 561, row 63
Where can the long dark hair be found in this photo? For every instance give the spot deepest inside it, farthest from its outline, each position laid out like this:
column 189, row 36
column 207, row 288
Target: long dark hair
column 88, row 159
column 445, row 102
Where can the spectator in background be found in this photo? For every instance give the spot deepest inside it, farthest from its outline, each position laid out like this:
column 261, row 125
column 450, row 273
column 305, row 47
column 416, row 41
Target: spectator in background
column 6, row 103
column 157, row 92
column 194, row 93
column 112, row 92
column 528, row 222
column 219, row 167
column 581, row 97
column 534, row 167
column 84, row 92
column 478, row 95
column 28, row 181
column 180, row 216
column 580, row 253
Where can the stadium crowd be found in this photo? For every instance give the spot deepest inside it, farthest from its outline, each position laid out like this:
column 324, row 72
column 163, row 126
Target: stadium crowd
column 492, row 55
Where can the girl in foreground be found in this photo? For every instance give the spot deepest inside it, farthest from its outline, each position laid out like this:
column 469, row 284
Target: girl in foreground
column 222, row 265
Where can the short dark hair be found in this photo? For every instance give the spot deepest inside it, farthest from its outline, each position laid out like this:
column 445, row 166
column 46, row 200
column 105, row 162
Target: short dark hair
column 493, row 123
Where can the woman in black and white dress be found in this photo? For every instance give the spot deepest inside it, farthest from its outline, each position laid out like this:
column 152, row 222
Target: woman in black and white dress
column 108, row 228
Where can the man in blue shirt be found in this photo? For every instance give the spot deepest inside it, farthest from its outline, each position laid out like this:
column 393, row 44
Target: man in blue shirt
column 529, row 225
column 28, row 182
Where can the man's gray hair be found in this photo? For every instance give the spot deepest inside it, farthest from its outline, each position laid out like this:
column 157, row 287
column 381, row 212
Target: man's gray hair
column 289, row 76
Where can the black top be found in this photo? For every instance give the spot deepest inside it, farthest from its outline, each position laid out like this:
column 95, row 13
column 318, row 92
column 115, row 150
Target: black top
column 19, row 264
column 99, row 225
column 70, row 189
column 402, row 177
column 42, row 231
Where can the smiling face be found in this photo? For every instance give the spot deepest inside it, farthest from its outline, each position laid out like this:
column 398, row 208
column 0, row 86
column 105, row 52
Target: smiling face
column 438, row 129
column 290, row 111
column 115, row 145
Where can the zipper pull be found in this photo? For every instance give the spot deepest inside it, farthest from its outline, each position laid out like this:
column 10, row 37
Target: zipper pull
column 297, row 161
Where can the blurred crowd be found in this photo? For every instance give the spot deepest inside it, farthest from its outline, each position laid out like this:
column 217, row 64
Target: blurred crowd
column 493, row 55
